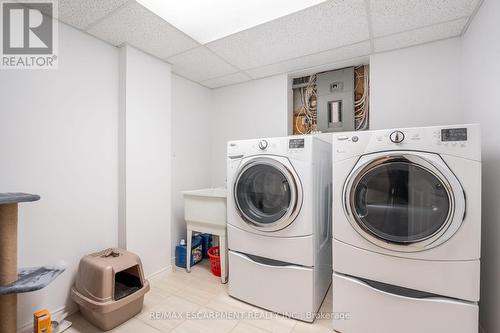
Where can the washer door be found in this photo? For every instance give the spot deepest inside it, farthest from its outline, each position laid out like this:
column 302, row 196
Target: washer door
column 404, row 201
column 267, row 194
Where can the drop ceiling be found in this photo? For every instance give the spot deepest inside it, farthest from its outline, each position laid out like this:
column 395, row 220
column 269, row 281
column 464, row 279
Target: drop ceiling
column 329, row 32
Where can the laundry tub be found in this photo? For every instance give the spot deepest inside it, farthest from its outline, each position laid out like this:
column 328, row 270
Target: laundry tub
column 110, row 287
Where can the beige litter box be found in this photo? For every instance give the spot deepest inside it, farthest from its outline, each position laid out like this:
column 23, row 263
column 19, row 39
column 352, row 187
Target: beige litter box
column 110, row 287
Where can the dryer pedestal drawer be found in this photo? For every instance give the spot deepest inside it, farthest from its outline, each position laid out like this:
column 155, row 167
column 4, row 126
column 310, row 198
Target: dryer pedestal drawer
column 284, row 289
column 366, row 309
column 454, row 279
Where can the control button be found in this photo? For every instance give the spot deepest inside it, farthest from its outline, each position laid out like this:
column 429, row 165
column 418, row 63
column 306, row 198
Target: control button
column 342, row 138
column 355, row 139
column 263, row 144
column 397, row 136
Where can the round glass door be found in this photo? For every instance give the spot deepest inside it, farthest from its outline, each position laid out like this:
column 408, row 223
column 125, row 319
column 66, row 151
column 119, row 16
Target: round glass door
column 400, row 202
column 266, row 194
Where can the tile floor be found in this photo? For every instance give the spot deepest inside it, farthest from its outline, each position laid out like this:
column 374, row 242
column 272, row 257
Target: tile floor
column 202, row 294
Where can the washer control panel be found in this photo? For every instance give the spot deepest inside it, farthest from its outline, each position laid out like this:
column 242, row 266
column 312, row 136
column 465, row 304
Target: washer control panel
column 397, row 136
column 263, row 144
column 296, row 144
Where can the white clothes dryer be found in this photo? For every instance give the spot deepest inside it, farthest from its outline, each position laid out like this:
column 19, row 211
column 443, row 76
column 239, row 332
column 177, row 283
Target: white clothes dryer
column 407, row 229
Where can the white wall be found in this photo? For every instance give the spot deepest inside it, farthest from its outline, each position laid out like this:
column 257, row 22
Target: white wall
column 58, row 138
column 191, row 112
column 245, row 111
column 416, row 86
column 145, row 113
column 480, row 89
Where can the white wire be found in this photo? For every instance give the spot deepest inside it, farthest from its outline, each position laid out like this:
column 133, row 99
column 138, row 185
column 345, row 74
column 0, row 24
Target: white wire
column 307, row 110
column 361, row 105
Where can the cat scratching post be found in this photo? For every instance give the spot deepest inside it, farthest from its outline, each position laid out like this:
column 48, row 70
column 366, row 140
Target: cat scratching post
column 8, row 256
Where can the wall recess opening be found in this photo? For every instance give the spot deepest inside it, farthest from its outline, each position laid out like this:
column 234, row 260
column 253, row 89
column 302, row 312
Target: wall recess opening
column 331, row 101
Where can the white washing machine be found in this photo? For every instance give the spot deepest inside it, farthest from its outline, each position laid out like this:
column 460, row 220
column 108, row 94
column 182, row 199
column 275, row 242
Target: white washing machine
column 279, row 223
column 407, row 230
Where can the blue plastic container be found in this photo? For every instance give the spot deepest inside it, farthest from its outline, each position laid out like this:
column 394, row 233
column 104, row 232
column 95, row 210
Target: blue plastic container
column 196, row 252
column 206, row 244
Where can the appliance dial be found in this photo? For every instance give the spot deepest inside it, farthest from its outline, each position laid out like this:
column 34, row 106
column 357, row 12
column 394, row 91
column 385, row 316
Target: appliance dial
column 397, row 136
column 263, row 144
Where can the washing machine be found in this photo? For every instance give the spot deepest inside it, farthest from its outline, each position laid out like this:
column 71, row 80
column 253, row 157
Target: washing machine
column 406, row 230
column 279, row 223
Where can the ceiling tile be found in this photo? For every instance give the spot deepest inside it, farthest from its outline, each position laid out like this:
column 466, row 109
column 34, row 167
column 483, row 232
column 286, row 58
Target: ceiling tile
column 82, row 13
column 329, row 25
column 419, row 36
column 137, row 26
column 390, row 16
column 226, row 80
column 314, row 60
column 200, row 64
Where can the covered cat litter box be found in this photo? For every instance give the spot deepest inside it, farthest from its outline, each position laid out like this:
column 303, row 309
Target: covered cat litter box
column 110, row 287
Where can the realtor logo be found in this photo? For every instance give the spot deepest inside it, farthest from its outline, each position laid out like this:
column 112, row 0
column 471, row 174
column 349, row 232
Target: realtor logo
column 28, row 34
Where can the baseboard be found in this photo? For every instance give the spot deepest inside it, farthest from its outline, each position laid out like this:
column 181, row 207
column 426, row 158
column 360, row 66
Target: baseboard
column 160, row 274
column 58, row 314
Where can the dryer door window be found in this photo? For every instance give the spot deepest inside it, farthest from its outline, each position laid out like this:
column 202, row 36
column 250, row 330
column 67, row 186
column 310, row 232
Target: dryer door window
column 266, row 195
column 400, row 202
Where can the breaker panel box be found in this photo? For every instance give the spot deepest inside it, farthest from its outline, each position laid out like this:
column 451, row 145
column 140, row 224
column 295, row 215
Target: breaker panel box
column 335, row 91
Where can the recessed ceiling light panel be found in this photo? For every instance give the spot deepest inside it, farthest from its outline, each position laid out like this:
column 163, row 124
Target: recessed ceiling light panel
column 208, row 20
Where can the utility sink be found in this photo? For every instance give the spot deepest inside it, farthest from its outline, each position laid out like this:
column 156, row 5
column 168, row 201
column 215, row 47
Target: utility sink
column 205, row 211
column 205, row 206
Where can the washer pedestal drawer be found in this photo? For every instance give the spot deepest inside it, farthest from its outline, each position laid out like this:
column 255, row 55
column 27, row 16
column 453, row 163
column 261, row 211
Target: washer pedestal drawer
column 299, row 250
column 360, row 308
column 281, row 288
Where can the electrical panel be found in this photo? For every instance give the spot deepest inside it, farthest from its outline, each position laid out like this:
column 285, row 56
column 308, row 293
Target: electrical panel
column 335, row 100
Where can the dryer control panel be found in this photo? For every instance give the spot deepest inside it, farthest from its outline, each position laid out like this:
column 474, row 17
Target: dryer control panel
column 460, row 140
column 453, row 134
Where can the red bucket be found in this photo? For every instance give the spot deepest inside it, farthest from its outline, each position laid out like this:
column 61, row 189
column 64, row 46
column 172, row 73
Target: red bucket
column 213, row 254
